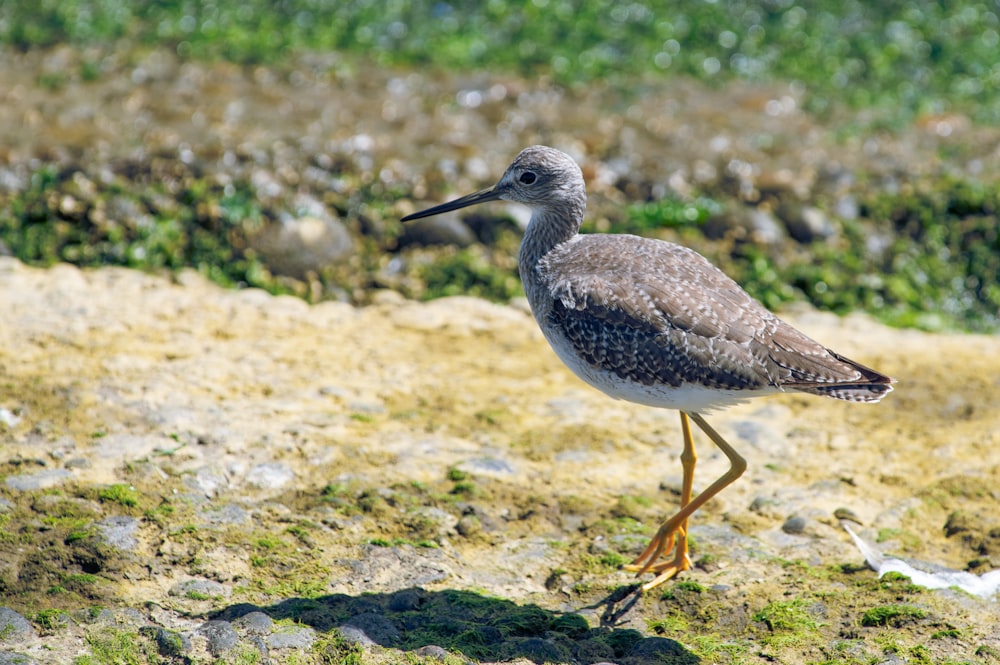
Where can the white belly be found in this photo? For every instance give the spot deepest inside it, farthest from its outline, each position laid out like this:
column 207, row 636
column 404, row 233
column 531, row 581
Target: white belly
column 686, row 397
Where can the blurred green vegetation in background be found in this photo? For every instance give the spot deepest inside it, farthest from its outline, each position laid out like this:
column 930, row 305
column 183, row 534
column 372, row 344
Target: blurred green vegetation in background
column 902, row 57
column 925, row 255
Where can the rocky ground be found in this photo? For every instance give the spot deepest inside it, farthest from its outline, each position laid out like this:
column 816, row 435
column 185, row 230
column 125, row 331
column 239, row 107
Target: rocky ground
column 197, row 475
column 191, row 474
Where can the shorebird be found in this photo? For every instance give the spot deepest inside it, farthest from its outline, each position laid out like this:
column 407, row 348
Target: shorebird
column 655, row 323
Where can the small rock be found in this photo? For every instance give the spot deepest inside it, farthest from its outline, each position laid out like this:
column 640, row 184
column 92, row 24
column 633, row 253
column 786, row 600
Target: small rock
column 14, row 628
column 469, row 525
column 118, row 531
column 8, row 417
column 220, row 636
column 795, row 525
column 806, row 224
column 40, row 480
column 376, row 627
column 488, row 466
column 200, row 588
column 298, row 247
column 229, row 514
column 206, row 481
column 11, row 658
column 756, row 225
column 169, row 643
column 254, row 623
column 292, row 637
column 430, row 521
column 432, row 651
column 272, row 475
column 355, row 635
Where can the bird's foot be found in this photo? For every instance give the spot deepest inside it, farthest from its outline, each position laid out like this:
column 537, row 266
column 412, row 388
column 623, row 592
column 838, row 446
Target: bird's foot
column 667, row 538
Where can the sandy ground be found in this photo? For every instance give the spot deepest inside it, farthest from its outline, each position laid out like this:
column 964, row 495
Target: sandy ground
column 443, row 446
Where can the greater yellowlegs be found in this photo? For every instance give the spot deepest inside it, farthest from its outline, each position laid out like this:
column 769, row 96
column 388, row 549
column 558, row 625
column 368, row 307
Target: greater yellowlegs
column 655, row 323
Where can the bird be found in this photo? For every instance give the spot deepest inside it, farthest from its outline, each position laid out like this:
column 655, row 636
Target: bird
column 655, row 323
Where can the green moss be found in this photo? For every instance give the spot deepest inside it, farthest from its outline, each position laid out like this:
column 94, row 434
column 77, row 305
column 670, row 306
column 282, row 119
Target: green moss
column 787, row 616
column 333, row 649
column 469, row 271
column 114, row 645
column 892, row 615
column 643, row 218
column 119, row 493
column 51, row 620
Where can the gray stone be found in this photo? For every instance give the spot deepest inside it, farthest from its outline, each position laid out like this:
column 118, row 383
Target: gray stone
column 297, row 247
column 488, row 466
column 14, row 628
column 354, row 635
column 228, row 514
column 170, row 643
column 376, row 627
column 40, row 480
column 805, row 223
column 795, row 525
column 291, row 637
column 254, row 623
column 194, row 588
column 432, row 651
column 220, row 636
column 118, row 531
column 11, row 658
column 755, row 224
column 272, row 475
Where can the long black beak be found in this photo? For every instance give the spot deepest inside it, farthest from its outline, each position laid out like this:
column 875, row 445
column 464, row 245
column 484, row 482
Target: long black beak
column 482, row 196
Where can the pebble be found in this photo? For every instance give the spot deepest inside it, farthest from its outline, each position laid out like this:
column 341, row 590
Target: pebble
column 795, row 525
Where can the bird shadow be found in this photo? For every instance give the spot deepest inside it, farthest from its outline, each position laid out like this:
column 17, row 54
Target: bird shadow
column 475, row 625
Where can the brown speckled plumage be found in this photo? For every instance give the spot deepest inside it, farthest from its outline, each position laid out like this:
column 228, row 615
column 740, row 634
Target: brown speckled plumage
column 655, row 323
column 668, row 316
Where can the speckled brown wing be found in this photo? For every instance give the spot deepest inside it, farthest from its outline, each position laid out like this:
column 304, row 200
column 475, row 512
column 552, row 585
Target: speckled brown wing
column 657, row 313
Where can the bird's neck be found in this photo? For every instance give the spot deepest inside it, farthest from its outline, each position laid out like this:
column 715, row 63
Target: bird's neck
column 547, row 230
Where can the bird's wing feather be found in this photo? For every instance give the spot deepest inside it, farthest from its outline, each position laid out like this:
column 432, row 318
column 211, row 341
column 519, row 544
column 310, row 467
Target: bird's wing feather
column 656, row 312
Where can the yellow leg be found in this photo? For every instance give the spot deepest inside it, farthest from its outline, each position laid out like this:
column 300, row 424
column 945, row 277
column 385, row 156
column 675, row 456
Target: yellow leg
column 676, row 526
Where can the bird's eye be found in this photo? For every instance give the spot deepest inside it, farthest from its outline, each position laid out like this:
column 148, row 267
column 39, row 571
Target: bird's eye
column 527, row 177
